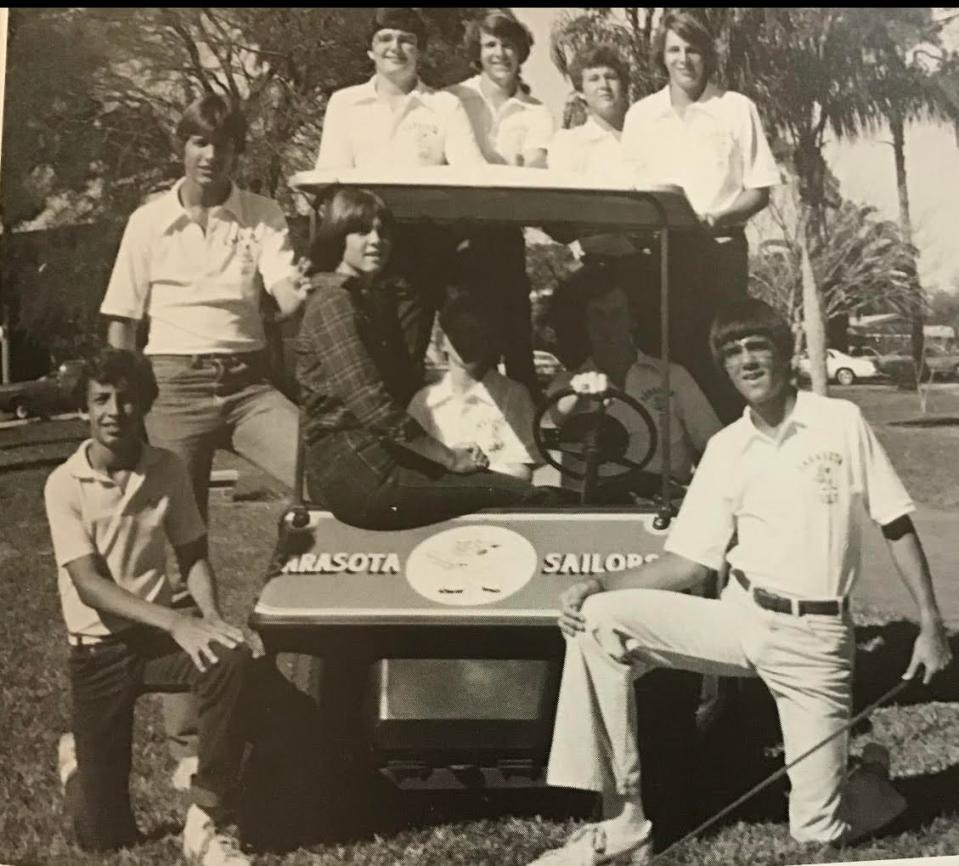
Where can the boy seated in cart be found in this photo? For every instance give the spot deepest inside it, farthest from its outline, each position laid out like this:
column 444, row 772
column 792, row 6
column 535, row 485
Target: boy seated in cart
column 474, row 402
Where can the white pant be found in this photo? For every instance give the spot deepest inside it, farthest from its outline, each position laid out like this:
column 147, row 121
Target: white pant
column 806, row 662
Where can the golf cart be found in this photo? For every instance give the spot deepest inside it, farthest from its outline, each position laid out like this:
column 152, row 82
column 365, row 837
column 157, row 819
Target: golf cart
column 433, row 654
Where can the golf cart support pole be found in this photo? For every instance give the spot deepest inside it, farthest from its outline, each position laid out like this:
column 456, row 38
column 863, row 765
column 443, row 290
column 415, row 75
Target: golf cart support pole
column 665, row 515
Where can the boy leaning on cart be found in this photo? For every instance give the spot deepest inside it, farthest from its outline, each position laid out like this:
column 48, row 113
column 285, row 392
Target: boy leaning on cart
column 112, row 507
column 791, row 481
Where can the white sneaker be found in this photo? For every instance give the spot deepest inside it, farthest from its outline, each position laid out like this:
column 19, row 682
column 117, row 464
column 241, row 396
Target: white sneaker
column 587, row 847
column 182, row 777
column 66, row 759
column 204, row 845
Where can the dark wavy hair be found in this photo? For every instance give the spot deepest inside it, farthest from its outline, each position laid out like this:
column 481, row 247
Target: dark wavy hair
column 109, row 366
column 407, row 20
column 749, row 317
column 602, row 54
column 345, row 210
column 214, row 117
column 503, row 25
column 690, row 28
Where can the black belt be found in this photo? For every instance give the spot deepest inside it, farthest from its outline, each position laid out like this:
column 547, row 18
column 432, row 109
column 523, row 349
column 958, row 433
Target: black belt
column 796, row 606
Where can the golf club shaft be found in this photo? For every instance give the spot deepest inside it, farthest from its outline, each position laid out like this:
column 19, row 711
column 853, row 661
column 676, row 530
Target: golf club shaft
column 895, row 690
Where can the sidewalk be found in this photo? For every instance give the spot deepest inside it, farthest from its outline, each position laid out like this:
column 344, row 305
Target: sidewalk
column 881, row 587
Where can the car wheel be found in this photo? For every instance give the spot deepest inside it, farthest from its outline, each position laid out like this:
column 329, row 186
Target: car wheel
column 845, row 376
column 21, row 409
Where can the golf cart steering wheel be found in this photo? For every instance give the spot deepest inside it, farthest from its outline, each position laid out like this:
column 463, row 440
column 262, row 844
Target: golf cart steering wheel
column 598, row 436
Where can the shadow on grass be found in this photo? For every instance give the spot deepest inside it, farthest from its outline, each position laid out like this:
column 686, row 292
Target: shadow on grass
column 293, row 798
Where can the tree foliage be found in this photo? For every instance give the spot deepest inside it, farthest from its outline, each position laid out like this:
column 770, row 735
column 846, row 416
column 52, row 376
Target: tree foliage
column 115, row 81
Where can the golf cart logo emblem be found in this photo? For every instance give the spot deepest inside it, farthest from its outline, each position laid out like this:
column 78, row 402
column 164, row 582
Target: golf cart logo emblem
column 471, row 565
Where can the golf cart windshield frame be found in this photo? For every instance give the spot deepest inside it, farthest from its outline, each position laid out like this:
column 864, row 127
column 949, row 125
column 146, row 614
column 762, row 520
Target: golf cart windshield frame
column 498, row 195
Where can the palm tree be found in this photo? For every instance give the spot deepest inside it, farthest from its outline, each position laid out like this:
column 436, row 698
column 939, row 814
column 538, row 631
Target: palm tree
column 904, row 90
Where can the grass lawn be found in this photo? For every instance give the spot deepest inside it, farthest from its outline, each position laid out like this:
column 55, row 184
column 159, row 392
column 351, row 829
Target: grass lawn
column 922, row 729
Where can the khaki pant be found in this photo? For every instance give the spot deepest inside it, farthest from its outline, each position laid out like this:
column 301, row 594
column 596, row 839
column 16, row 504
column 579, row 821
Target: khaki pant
column 806, row 662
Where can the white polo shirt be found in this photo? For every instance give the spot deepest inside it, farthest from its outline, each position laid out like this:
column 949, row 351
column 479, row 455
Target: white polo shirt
column 427, row 127
column 496, row 413
column 692, row 420
column 589, row 148
column 201, row 289
column 88, row 514
column 714, row 152
column 796, row 503
column 520, row 124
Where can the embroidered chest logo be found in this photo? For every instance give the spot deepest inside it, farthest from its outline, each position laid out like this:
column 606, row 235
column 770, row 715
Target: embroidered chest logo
column 824, row 468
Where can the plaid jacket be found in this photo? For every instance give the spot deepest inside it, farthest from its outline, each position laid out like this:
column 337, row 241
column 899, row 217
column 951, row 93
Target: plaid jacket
column 354, row 370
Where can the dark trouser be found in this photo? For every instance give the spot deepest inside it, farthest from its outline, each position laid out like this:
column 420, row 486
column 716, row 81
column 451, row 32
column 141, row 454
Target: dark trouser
column 414, row 492
column 704, row 274
column 207, row 403
column 105, row 681
column 494, row 271
column 422, row 257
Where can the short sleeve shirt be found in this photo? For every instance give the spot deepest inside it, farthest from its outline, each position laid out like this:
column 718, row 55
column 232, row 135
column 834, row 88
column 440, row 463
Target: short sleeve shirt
column 588, row 149
column 495, row 413
column 427, row 127
column 201, row 289
column 714, row 151
column 521, row 124
column 693, row 420
column 795, row 503
column 89, row 514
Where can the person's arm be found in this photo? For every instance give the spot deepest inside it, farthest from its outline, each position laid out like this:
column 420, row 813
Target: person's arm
column 127, row 296
column 330, row 341
column 284, row 279
column 562, row 155
column 889, row 505
column 122, row 333
column 931, row 650
column 537, row 139
column 746, row 205
column 336, row 151
column 759, row 172
column 670, row 572
column 460, row 146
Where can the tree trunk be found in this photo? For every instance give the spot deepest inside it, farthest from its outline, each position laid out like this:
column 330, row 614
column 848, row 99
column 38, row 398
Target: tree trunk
column 813, row 321
column 916, row 336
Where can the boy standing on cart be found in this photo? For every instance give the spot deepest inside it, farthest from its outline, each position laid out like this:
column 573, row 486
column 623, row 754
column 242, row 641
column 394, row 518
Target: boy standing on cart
column 790, row 481
column 396, row 121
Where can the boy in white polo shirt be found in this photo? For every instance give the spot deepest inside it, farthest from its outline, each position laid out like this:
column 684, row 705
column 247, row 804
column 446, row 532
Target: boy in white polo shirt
column 396, row 121
column 473, row 404
column 790, row 481
column 112, row 508
column 195, row 262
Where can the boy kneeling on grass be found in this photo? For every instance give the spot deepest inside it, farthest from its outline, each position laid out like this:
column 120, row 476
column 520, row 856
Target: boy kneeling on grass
column 791, row 480
column 111, row 508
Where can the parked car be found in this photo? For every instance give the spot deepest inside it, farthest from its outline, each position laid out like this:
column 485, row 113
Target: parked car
column 938, row 363
column 842, row 368
column 57, row 391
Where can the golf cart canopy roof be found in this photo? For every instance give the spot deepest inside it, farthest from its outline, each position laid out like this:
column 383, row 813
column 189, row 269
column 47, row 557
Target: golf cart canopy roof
column 519, row 196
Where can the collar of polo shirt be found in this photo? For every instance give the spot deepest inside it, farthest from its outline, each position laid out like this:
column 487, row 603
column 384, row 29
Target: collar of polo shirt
column 478, row 391
column 80, row 468
column 803, row 414
column 173, row 209
column 366, row 92
column 706, row 101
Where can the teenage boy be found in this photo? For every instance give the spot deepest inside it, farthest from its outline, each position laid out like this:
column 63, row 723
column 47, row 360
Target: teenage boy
column 790, row 481
column 396, row 121
column 601, row 76
column 195, row 261
column 473, row 402
column 112, row 508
